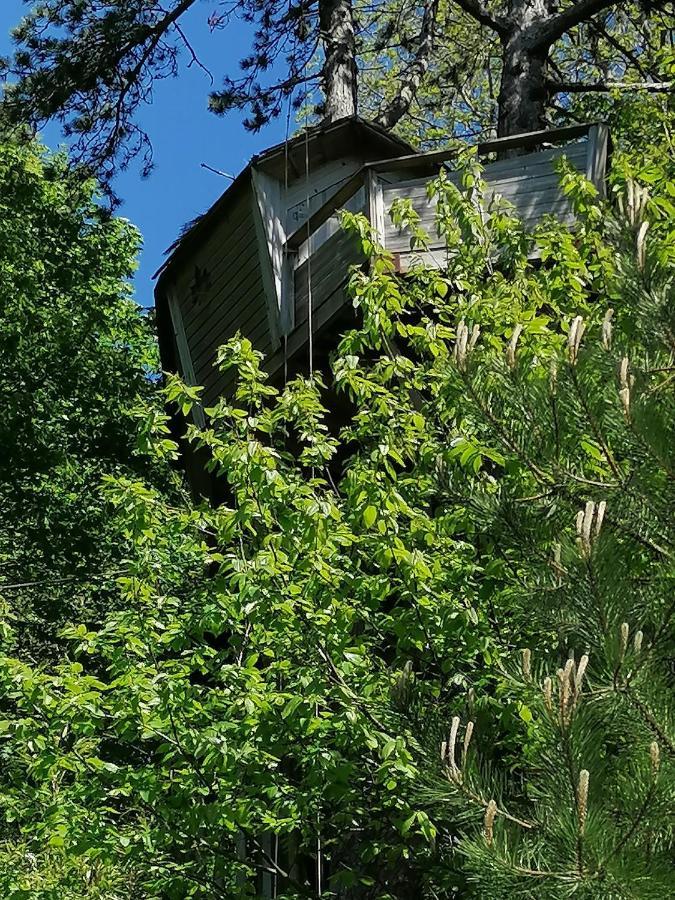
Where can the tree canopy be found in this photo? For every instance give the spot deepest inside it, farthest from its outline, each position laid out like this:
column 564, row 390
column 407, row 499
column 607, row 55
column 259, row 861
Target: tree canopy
column 427, row 654
column 76, row 357
column 436, row 70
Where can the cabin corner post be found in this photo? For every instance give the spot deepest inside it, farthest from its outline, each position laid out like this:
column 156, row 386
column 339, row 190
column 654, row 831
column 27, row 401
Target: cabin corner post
column 184, row 356
column 287, row 305
column 271, row 238
column 375, row 205
column 598, row 149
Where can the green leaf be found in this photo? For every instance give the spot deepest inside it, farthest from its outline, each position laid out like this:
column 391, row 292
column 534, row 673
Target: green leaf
column 369, row 516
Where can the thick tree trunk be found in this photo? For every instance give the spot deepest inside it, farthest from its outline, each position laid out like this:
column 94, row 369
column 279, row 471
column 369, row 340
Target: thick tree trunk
column 525, row 48
column 527, row 30
column 336, row 20
column 523, row 89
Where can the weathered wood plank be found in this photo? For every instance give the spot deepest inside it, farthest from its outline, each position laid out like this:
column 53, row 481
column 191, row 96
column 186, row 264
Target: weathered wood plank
column 530, row 184
column 215, row 381
column 184, row 354
column 235, row 249
column 213, row 244
column 329, row 262
column 598, row 151
column 526, row 208
column 546, row 188
column 436, row 255
column 348, row 189
column 266, row 200
column 530, row 165
column 375, row 204
column 499, row 145
column 224, row 304
column 521, row 167
column 227, row 319
column 322, row 183
column 522, row 174
column 329, row 308
column 254, row 312
column 329, row 266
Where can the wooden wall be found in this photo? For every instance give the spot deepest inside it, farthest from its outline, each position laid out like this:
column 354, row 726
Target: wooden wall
column 530, row 183
column 227, row 281
column 227, row 278
column 219, row 290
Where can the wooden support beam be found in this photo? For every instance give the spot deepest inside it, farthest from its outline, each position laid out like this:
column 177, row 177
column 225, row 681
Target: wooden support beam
column 323, row 213
column 184, row 356
column 266, row 203
column 598, row 151
column 375, row 204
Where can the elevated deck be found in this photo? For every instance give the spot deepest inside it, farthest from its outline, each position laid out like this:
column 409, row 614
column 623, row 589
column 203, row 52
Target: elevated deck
column 318, row 251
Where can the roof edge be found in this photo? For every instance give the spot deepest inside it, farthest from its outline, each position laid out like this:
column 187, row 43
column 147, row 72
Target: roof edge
column 174, row 251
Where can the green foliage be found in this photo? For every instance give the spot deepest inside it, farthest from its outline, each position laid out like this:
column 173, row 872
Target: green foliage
column 76, row 357
column 580, row 514
column 626, row 44
column 488, row 540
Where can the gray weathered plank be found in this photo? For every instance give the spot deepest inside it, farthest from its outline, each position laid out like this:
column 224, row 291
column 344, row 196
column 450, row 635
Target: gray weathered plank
column 225, row 304
column 529, row 183
column 329, row 266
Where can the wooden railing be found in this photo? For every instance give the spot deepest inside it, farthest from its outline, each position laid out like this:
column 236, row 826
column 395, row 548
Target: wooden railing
column 432, row 160
column 317, row 271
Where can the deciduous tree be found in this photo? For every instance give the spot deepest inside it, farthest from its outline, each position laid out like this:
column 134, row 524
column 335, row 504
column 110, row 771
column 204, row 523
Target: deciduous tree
column 76, row 355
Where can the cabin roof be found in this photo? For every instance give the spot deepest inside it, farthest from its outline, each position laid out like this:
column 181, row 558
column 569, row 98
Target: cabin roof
column 319, row 144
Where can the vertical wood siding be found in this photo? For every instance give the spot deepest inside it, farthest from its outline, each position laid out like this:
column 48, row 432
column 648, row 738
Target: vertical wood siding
column 220, row 291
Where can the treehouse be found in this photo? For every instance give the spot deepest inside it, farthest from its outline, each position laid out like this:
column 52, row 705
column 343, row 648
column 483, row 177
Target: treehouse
column 272, row 243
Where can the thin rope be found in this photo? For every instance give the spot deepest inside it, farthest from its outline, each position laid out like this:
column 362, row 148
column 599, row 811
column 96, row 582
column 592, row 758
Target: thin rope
column 310, row 318
column 319, row 848
column 285, row 259
column 284, row 267
column 310, row 328
column 319, row 862
column 310, row 325
column 310, row 304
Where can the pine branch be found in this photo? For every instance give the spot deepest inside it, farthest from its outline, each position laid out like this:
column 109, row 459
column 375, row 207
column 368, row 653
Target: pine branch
column 454, row 776
column 477, row 10
column 546, row 34
column 644, row 806
column 648, row 717
column 624, row 51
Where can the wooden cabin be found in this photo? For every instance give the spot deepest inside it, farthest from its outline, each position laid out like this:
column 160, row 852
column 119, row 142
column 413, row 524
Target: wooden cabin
column 247, row 264
column 231, row 271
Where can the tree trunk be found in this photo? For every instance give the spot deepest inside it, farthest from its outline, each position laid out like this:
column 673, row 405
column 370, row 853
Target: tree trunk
column 525, row 49
column 523, row 91
column 336, row 20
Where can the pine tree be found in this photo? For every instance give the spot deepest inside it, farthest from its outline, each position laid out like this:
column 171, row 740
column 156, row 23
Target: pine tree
column 577, row 413
column 434, row 70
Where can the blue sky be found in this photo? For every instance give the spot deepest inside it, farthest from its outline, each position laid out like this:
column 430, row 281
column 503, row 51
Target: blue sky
column 184, row 134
